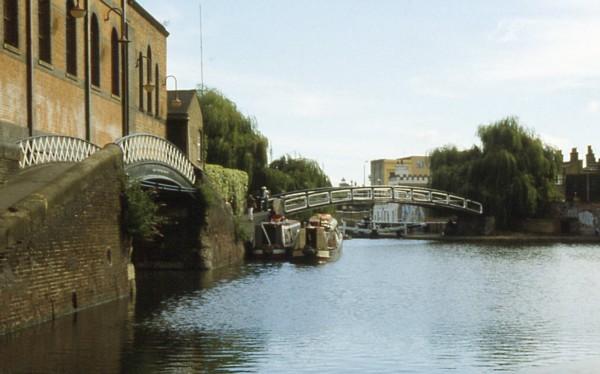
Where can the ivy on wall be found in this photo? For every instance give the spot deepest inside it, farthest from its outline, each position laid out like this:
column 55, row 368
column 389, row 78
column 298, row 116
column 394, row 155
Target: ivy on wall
column 232, row 184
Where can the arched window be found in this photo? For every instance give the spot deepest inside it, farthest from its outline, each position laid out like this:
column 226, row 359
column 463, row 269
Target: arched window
column 11, row 22
column 149, row 77
column 157, row 89
column 71, row 39
column 95, row 51
column 141, row 80
column 114, row 61
column 44, row 31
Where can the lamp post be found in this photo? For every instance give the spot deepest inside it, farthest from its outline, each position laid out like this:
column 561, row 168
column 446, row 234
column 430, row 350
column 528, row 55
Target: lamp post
column 176, row 102
column 77, row 11
column 122, row 38
column 365, row 172
column 149, row 86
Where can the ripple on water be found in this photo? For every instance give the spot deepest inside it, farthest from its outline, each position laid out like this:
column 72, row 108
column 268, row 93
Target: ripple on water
column 386, row 306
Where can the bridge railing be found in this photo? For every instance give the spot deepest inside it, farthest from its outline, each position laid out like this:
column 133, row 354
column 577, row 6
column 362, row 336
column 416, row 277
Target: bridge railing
column 306, row 199
column 146, row 147
column 44, row 149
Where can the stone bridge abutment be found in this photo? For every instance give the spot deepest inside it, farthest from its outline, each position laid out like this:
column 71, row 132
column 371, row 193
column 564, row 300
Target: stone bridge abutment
column 62, row 248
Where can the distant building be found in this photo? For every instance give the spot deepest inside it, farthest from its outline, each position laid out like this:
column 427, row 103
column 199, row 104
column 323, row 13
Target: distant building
column 343, row 183
column 389, row 213
column 411, row 170
column 184, row 125
column 581, row 182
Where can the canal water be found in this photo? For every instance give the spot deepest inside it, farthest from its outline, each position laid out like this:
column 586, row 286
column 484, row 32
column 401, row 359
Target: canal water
column 386, row 306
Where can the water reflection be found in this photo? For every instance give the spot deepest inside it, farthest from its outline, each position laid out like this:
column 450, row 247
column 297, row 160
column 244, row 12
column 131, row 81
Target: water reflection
column 385, row 306
column 166, row 337
column 91, row 341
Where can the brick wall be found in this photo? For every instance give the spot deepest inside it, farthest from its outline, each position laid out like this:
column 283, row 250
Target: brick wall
column 10, row 155
column 13, row 95
column 195, row 130
column 59, row 98
column 62, row 114
column 143, row 35
column 61, row 248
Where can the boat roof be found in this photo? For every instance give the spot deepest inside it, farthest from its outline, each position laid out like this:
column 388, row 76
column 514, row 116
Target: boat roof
column 322, row 219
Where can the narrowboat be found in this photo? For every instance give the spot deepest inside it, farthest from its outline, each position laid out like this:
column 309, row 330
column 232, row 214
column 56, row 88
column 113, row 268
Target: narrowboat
column 276, row 238
column 320, row 241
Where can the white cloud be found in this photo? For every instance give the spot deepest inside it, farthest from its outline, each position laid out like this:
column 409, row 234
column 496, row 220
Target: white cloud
column 432, row 87
column 544, row 48
column 557, row 142
column 593, row 106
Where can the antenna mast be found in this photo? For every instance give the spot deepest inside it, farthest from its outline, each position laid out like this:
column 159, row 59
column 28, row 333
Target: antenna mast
column 201, row 52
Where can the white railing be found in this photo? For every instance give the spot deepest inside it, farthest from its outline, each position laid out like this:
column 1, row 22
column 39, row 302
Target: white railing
column 45, row 149
column 301, row 200
column 150, row 148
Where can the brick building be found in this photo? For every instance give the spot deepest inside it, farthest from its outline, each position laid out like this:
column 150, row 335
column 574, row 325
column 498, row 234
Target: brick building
column 184, row 125
column 411, row 170
column 580, row 182
column 92, row 69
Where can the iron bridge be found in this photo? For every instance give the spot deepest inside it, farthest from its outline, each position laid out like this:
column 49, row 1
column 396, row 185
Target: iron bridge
column 308, row 199
column 152, row 160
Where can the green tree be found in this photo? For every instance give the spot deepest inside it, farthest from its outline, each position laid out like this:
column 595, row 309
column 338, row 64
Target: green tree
column 233, row 140
column 142, row 218
column 512, row 174
column 289, row 174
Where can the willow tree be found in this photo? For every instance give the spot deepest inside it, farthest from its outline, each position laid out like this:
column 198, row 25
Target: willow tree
column 294, row 173
column 512, row 174
column 233, row 141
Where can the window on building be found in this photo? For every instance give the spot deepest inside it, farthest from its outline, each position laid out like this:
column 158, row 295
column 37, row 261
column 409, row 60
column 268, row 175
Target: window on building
column 140, row 65
column 11, row 22
column 44, row 30
column 114, row 63
column 157, row 90
column 149, row 78
column 71, row 39
column 95, row 51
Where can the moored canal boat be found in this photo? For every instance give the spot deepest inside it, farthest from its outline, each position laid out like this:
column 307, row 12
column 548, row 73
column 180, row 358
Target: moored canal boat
column 320, row 241
column 275, row 239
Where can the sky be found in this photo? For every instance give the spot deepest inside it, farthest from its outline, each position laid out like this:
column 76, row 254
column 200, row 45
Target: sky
column 347, row 81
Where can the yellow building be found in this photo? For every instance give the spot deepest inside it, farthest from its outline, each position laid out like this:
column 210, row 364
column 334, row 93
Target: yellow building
column 412, row 170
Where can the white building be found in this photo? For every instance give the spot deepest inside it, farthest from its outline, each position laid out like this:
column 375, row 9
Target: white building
column 397, row 213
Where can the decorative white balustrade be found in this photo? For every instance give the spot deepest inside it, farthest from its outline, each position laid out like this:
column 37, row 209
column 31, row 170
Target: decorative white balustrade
column 150, row 148
column 301, row 200
column 137, row 148
column 44, row 149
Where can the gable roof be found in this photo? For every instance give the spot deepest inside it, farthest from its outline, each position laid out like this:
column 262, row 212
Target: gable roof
column 144, row 13
column 186, row 97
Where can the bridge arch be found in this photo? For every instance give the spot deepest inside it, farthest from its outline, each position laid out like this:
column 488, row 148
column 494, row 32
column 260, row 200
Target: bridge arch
column 150, row 158
column 297, row 201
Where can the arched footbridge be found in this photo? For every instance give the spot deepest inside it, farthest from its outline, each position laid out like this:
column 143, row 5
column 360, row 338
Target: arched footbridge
column 152, row 160
column 309, row 199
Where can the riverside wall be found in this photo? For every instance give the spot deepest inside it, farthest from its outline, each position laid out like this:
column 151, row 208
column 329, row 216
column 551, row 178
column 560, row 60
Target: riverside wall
column 198, row 233
column 61, row 245
column 10, row 156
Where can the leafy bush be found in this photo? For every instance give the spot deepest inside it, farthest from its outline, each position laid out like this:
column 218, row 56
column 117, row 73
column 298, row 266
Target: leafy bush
column 141, row 212
column 232, row 184
column 242, row 229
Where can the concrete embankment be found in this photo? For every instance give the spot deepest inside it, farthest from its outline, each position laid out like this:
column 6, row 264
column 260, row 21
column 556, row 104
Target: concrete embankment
column 61, row 243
